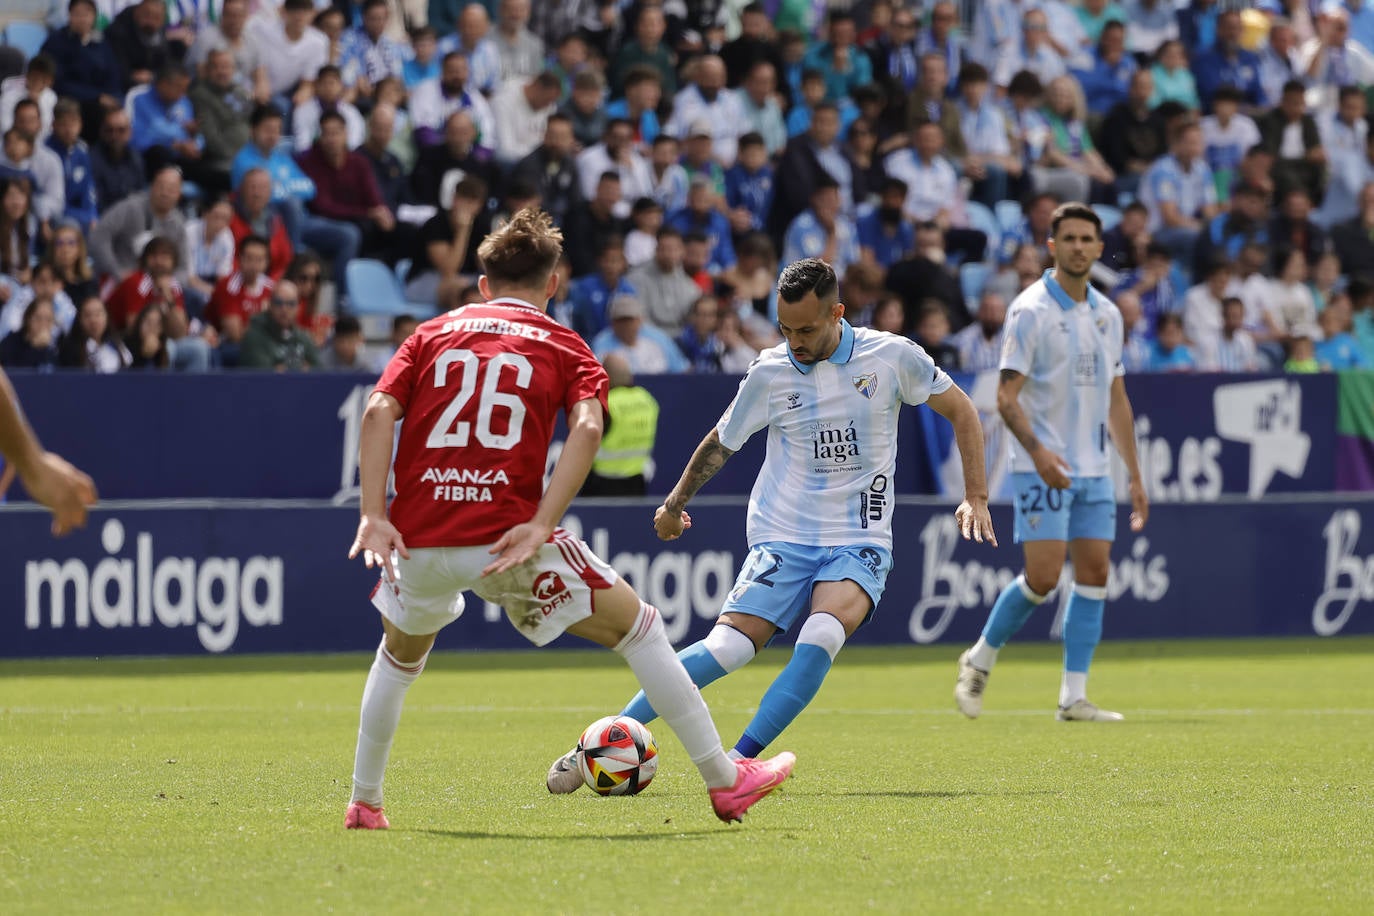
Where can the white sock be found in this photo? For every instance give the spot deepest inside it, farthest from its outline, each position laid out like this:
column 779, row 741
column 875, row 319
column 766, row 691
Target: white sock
column 1073, row 687
column 982, row 655
column 383, row 697
column 734, row 754
column 730, row 648
column 674, row 697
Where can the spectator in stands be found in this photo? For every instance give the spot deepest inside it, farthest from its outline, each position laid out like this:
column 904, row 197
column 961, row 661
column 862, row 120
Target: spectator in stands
column 1353, row 240
column 432, row 104
column 646, row 218
column 520, row 111
column 142, row 44
column 980, row 344
column 209, row 252
column 989, row 160
column 449, row 241
column 647, row 48
column 1131, row 137
column 34, row 344
column 648, row 350
column 369, row 51
column 887, row 314
column 1094, row 15
column 67, row 254
column 823, row 231
column 255, row 215
column 1332, row 60
column 155, row 285
column 293, row 51
column 119, row 235
column 289, row 185
column 44, row 283
column 345, row 352
column 1301, row 352
column 755, row 44
column 591, row 295
column 328, row 98
column 885, row 236
column 933, row 334
column 698, row 160
column 1202, row 304
column 222, row 108
column 589, row 226
column 1227, row 135
column 440, row 167
column 1338, row 350
column 1251, row 269
column 736, row 350
column 1135, row 353
column 1292, row 226
column 996, row 29
column 758, row 101
column 1070, row 167
column 702, row 215
column 1278, row 61
column 662, row 285
column 36, row 86
column 1173, row 81
column 306, row 270
column 1169, row 352
column 667, row 174
column 1346, row 140
column 1290, row 134
column 44, row 165
column 1180, row 193
column 1123, row 247
column 639, row 105
column 86, row 67
column 1033, row 229
column 116, row 167
column 751, row 285
column 749, row 186
column 146, row 339
column 933, row 190
column 698, row 341
column 346, row 192
column 520, row 50
column 552, row 169
column 19, row 231
column 924, row 274
column 1149, row 24
column 66, row 142
column 240, row 296
column 93, row 344
column 422, row 63
column 273, row 341
column 1326, row 281
column 393, row 181
column 930, row 101
column 1158, row 282
column 1290, row 306
column 1228, row 232
column 806, row 158
column 248, row 66
column 706, row 101
column 1226, row 63
column 585, row 108
column 839, row 59
column 472, row 40
column 1035, row 53
column 1026, row 266
column 616, row 153
column 1108, row 82
column 166, row 131
column 1232, row 349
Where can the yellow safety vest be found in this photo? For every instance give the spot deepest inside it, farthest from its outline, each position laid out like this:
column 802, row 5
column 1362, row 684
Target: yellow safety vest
column 629, row 441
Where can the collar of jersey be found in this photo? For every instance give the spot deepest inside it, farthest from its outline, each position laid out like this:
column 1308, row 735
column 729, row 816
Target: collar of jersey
column 511, row 300
column 1064, row 299
column 843, row 352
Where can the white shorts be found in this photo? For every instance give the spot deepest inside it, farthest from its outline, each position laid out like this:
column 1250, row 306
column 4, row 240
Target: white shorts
column 542, row 597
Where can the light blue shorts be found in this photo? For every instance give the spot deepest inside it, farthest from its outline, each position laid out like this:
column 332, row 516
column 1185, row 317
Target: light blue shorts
column 776, row 579
column 1085, row 510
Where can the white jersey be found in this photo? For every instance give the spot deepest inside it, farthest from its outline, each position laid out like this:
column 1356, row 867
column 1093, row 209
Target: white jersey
column 832, row 436
column 1069, row 352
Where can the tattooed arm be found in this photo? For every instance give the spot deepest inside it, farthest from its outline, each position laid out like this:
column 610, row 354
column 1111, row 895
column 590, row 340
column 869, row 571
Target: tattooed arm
column 1053, row 469
column 671, row 519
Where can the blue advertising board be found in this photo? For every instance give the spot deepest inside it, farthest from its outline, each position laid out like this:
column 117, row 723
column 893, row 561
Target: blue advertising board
column 213, row 578
column 265, row 436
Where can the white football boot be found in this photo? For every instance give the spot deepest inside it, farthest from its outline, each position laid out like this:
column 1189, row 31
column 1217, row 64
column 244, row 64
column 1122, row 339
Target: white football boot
column 968, row 690
column 1086, row 711
column 566, row 773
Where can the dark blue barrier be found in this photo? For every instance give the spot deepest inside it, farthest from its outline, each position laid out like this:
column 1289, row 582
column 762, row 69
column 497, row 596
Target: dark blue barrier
column 159, row 580
column 265, row 436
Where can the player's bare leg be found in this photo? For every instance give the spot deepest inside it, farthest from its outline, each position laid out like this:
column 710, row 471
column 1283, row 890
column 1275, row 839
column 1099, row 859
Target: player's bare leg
column 1083, row 630
column 399, row 661
column 635, row 631
column 1044, row 561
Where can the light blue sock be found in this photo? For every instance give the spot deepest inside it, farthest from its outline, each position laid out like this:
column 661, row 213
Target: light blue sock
column 701, row 666
column 796, row 685
column 1010, row 611
column 1083, row 626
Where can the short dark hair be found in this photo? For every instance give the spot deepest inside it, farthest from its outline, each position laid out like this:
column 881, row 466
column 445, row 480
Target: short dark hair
column 1025, row 83
column 809, row 275
column 824, row 182
column 893, row 184
column 668, row 232
column 1294, row 86
column 263, row 112
column 329, row 70
column 42, row 63
column 254, row 240
column 753, row 138
column 1166, row 319
column 158, row 244
column 1074, row 210
column 641, row 73
column 332, row 116
column 1228, row 93
column 347, row 326
column 973, row 72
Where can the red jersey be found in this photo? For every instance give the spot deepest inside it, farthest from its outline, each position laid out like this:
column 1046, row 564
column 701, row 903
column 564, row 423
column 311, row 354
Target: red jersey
column 132, row 294
column 481, row 388
column 232, row 297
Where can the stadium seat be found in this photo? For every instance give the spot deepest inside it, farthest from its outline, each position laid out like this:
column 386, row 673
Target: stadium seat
column 27, row 36
column 374, row 290
column 402, row 270
column 973, row 276
column 1110, row 216
column 985, row 221
column 1009, row 214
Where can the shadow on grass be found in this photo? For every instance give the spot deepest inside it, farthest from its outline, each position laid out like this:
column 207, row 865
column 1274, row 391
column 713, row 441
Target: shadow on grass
column 564, row 838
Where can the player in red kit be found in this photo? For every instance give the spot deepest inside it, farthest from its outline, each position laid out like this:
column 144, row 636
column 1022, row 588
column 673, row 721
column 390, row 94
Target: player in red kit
column 479, row 389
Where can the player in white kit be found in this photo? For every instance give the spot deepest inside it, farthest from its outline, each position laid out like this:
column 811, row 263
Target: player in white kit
column 479, row 389
column 1063, row 397
column 820, row 514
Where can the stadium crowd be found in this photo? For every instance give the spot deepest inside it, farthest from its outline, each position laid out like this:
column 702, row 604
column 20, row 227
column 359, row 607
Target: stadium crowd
column 185, row 183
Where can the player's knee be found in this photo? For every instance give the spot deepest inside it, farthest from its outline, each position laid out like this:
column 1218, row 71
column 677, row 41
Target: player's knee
column 1042, row 580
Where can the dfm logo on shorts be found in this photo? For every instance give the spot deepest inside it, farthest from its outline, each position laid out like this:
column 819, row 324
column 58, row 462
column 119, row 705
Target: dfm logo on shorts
column 550, row 591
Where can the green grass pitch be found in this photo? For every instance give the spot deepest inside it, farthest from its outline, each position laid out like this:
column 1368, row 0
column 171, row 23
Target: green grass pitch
column 1242, row 781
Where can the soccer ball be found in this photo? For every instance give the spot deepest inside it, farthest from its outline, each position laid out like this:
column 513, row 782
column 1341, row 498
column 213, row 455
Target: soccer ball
column 619, row 756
